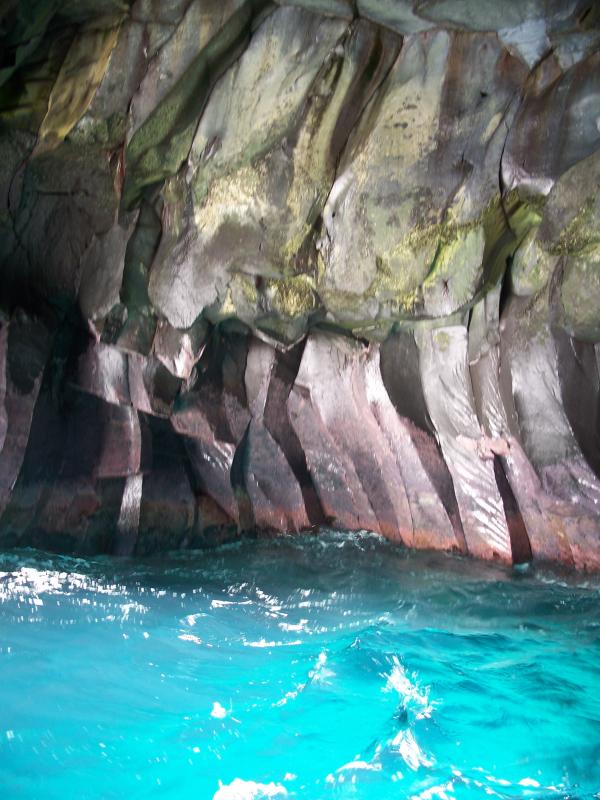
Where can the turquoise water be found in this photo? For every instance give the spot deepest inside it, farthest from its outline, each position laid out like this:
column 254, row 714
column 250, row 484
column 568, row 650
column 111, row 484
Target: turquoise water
column 305, row 668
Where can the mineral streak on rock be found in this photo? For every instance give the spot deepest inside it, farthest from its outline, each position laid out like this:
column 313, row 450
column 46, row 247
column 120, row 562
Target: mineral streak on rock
column 270, row 266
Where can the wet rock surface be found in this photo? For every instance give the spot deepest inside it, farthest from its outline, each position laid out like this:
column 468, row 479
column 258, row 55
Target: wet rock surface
column 272, row 266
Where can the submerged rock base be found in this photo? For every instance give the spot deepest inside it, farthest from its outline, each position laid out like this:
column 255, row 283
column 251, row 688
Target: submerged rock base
column 275, row 266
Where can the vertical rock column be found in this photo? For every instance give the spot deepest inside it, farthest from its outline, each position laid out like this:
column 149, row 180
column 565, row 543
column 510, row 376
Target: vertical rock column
column 431, row 524
column 351, row 460
column 24, row 349
column 529, row 513
column 449, row 398
column 263, row 475
column 570, row 489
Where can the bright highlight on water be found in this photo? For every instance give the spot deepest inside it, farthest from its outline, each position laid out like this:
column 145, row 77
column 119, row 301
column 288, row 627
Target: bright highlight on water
column 337, row 667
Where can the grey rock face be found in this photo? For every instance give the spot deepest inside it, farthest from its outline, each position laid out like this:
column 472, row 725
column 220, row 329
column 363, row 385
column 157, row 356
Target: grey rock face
column 562, row 108
column 449, row 398
column 277, row 265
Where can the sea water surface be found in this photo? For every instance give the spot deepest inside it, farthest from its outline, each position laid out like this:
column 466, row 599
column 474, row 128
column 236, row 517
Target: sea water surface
column 329, row 667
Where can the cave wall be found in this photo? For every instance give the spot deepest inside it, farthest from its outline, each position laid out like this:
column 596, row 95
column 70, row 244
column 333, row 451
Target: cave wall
column 274, row 266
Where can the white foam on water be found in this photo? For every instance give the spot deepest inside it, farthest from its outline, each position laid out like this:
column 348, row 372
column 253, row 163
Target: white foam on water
column 443, row 791
column 410, row 693
column 27, row 584
column 249, row 790
column 135, row 607
column 321, row 673
column 406, row 744
column 360, row 765
column 291, row 695
column 265, row 643
column 288, row 626
column 225, row 603
column 529, row 782
column 218, row 712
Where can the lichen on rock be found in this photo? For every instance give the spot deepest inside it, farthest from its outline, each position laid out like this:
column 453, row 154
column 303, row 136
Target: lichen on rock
column 270, row 266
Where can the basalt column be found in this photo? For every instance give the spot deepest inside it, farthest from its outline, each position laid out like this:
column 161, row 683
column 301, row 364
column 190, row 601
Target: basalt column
column 267, row 267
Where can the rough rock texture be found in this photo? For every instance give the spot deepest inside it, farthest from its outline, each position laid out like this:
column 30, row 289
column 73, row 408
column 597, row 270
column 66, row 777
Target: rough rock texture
column 270, row 266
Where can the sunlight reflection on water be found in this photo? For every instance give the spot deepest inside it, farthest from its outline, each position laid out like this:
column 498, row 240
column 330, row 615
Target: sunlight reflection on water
column 337, row 667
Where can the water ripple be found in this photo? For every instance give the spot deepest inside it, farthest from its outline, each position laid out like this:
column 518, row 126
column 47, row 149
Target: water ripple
column 316, row 668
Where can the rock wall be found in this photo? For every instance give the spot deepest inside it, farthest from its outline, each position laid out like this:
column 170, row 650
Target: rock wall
column 275, row 266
